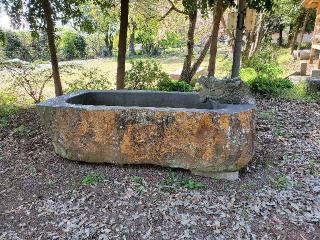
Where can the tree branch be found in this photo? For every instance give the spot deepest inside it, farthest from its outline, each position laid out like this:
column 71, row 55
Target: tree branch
column 173, row 6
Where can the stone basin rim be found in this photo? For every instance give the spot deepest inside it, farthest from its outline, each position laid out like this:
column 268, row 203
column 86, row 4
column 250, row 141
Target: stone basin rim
column 62, row 102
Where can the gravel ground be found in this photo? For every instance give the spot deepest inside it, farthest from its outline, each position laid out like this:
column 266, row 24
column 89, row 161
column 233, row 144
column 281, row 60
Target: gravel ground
column 43, row 196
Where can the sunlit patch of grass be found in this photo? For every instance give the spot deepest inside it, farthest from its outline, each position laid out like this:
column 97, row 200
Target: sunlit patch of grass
column 93, row 179
column 299, row 92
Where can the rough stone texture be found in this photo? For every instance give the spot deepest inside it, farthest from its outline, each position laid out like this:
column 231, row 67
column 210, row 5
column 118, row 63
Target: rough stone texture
column 227, row 91
column 303, row 67
column 313, row 84
column 206, row 141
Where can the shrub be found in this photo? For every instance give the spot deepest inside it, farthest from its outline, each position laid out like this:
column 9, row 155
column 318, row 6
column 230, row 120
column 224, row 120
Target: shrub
column 174, row 86
column 88, row 79
column 248, row 75
column 263, row 73
column 270, row 86
column 145, row 75
column 8, row 105
column 29, row 78
column 71, row 45
column 15, row 46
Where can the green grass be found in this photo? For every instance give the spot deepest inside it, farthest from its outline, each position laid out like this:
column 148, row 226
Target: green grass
column 174, row 181
column 22, row 130
column 93, row 179
column 281, row 182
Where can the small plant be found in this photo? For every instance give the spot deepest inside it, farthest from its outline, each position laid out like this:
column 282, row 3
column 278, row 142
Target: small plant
column 190, row 184
column 174, row 181
column 145, row 75
column 169, row 85
column 89, row 79
column 139, row 184
column 136, row 180
column 281, row 183
column 281, row 133
column 93, row 179
column 22, row 130
column 270, row 115
column 8, row 106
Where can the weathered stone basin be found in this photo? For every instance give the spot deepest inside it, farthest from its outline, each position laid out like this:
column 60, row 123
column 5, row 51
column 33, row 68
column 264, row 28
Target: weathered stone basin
column 142, row 127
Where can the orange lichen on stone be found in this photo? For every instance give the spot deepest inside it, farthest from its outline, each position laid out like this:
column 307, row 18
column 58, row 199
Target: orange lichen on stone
column 197, row 140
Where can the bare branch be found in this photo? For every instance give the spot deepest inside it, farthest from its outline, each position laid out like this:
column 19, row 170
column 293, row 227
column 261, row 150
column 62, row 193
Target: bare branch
column 176, row 9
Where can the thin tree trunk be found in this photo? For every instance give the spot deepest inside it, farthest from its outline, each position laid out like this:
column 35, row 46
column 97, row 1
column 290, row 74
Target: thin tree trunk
column 132, row 51
column 294, row 39
column 218, row 13
column 280, row 40
column 52, row 47
column 108, row 44
column 185, row 74
column 290, row 35
column 238, row 40
column 259, row 35
column 303, row 30
column 224, row 25
column 201, row 57
column 122, row 46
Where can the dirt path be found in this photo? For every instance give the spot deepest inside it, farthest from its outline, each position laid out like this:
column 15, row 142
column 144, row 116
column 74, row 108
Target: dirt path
column 278, row 197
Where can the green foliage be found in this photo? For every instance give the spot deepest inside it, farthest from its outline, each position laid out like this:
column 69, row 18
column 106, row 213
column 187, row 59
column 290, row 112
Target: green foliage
column 71, row 45
column 270, row 86
column 174, row 181
column 281, row 183
column 146, row 35
column 136, row 180
column 190, row 184
column 172, row 39
column 145, row 75
column 248, row 75
column 8, row 105
column 93, row 179
column 263, row 73
column 169, row 85
column 15, row 46
column 22, row 130
column 299, row 92
column 88, row 79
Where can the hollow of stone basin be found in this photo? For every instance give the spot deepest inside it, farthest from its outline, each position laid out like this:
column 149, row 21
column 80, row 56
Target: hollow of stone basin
column 161, row 128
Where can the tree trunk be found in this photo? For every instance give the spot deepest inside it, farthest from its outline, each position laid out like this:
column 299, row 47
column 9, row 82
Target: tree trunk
column 185, row 74
column 218, row 13
column 259, row 35
column 52, row 47
column 108, row 44
column 303, row 30
column 200, row 59
column 280, row 39
column 132, row 50
column 122, row 46
column 294, row 39
column 238, row 40
column 290, row 35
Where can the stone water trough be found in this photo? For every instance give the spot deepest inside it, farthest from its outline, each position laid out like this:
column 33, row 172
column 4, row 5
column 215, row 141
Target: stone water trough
column 161, row 128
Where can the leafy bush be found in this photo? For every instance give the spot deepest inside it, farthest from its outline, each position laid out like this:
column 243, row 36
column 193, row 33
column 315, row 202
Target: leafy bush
column 8, row 105
column 15, row 46
column 174, row 86
column 270, row 86
column 145, row 75
column 172, row 39
column 71, row 45
column 263, row 73
column 248, row 75
column 88, row 79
